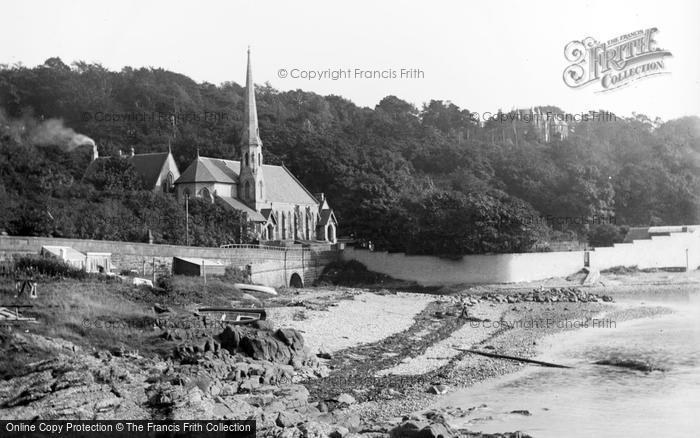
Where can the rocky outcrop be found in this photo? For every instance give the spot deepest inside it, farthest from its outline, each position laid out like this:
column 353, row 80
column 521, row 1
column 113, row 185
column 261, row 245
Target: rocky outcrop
column 240, row 373
column 78, row 386
column 284, row 346
column 418, row 429
column 552, row 295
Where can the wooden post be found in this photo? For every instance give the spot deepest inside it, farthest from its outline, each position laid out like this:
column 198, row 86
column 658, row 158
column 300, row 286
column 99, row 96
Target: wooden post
column 187, row 219
column 204, row 271
column 286, row 282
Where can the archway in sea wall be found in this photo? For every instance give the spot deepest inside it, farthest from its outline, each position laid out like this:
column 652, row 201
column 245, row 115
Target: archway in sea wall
column 296, row 281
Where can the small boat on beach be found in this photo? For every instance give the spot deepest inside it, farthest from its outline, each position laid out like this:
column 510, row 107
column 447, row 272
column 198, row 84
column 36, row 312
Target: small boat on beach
column 256, row 288
column 236, row 315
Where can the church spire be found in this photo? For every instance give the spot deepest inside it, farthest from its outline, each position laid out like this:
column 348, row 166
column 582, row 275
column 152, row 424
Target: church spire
column 251, row 187
column 251, row 134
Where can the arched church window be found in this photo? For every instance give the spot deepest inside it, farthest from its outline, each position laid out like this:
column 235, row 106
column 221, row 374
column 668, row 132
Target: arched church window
column 246, row 160
column 284, row 226
column 259, row 159
column 168, row 183
column 205, row 194
column 247, row 189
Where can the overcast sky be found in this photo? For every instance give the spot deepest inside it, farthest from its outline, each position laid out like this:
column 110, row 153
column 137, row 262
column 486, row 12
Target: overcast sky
column 480, row 55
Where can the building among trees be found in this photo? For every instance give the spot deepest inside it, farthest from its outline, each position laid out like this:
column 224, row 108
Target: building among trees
column 278, row 205
column 157, row 171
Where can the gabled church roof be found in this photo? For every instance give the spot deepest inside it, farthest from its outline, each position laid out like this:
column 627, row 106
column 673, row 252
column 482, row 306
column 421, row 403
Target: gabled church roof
column 205, row 169
column 327, row 216
column 238, row 205
column 148, row 166
column 280, row 184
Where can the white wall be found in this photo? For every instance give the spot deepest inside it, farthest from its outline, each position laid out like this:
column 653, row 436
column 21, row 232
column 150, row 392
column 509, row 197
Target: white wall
column 500, row 268
column 657, row 252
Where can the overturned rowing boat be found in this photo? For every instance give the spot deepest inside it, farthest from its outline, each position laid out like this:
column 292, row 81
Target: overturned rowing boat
column 256, row 288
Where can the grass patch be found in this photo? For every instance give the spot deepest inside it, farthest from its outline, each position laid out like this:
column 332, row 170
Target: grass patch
column 103, row 314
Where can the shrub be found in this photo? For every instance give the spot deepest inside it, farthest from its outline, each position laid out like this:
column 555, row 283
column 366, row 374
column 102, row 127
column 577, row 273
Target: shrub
column 351, row 273
column 165, row 283
column 49, row 267
column 235, row 275
column 181, row 289
column 605, row 235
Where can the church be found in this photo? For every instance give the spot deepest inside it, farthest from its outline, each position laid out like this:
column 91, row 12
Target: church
column 278, row 205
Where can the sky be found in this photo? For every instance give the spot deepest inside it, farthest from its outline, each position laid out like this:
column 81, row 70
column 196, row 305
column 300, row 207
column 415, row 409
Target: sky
column 482, row 56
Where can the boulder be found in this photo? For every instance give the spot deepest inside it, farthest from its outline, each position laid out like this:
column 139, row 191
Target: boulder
column 417, row 429
column 291, row 338
column 288, row 419
column 314, row 429
column 230, row 338
column 346, row 398
column 264, row 347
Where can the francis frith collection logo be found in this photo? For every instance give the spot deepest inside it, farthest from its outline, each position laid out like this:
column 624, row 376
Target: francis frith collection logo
column 614, row 63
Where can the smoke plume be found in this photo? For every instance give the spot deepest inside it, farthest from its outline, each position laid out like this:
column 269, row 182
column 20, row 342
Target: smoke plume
column 53, row 132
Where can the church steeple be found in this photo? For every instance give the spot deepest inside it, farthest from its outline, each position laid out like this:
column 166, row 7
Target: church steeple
column 251, row 185
column 251, row 133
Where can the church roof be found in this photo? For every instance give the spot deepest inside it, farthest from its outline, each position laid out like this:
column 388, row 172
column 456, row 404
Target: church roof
column 327, row 215
column 148, row 166
column 238, row 205
column 280, row 185
column 267, row 214
column 205, row 169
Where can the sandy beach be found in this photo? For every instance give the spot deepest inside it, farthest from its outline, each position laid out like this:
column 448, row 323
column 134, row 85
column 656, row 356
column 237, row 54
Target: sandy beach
column 328, row 361
column 393, row 384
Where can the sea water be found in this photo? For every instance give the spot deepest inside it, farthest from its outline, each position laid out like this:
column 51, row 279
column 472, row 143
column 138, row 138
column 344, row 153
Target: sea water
column 592, row 400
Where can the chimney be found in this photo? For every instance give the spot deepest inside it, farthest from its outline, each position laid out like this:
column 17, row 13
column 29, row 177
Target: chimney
column 132, row 151
column 95, row 154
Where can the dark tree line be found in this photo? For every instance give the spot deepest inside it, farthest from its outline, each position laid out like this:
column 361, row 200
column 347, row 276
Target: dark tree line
column 428, row 180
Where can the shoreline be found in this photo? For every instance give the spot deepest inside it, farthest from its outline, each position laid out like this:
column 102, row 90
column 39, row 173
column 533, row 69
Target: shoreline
column 364, row 360
column 469, row 370
column 464, row 370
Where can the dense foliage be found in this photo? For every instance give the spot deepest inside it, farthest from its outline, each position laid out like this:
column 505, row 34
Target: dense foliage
column 32, row 265
column 431, row 180
column 42, row 192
